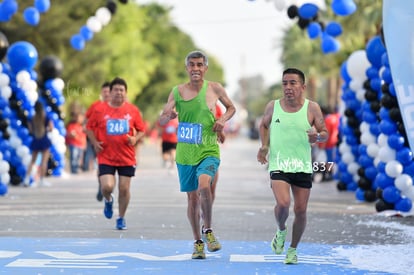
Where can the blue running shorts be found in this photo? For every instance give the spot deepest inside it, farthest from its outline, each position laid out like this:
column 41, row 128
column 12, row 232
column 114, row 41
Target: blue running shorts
column 189, row 174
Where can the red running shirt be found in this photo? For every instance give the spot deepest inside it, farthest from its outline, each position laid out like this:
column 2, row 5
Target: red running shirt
column 111, row 125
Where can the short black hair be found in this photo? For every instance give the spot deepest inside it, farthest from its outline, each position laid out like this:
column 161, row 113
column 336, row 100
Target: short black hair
column 295, row 71
column 119, row 81
column 196, row 54
column 106, row 84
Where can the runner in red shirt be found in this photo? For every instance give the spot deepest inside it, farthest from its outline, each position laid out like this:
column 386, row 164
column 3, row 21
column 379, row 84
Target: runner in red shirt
column 114, row 130
column 169, row 143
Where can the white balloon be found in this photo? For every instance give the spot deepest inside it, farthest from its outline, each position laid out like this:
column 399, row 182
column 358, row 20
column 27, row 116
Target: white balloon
column 5, row 178
column 348, row 157
column 22, row 76
column 357, row 64
column 353, row 168
column 372, row 150
column 280, row 4
column 386, row 154
column 356, row 84
column 93, row 24
column 367, row 138
column 393, row 168
column 409, row 193
column 26, row 160
column 360, row 94
column 58, row 84
column 364, row 127
column 382, row 140
column 403, row 182
column 344, row 147
column 6, row 92
column 15, row 141
column 103, row 15
column 32, row 96
column 4, row 80
column 4, row 167
column 22, row 151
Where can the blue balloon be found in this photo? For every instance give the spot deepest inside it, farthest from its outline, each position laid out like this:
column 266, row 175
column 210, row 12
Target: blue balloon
column 409, row 169
column 375, row 49
column 86, row 33
column 343, row 7
column 404, row 205
column 360, row 194
column 382, row 180
column 22, row 55
column 372, row 72
column 365, row 161
column 387, row 127
column 333, row 29
column 314, row 29
column 329, row 44
column 32, row 16
column 77, row 42
column 391, row 194
column 376, row 84
column 352, row 186
column 391, row 87
column 374, row 129
column 384, row 60
column 386, row 75
column 396, row 141
column 42, row 5
column 3, row 189
column 308, row 10
column 371, row 172
column 404, row 155
column 7, row 10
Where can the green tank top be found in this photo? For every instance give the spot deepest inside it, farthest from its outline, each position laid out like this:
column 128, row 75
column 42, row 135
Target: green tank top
column 290, row 150
column 195, row 111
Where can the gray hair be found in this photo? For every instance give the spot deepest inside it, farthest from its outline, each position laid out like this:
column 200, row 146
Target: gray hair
column 196, row 54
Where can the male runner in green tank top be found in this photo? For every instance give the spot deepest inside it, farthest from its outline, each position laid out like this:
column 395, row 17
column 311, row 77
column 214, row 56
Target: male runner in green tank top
column 288, row 128
column 198, row 152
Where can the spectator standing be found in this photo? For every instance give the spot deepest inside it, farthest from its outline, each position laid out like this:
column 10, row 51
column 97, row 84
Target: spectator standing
column 39, row 127
column 76, row 140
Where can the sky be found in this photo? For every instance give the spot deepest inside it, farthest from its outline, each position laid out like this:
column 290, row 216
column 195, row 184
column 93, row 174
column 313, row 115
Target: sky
column 242, row 35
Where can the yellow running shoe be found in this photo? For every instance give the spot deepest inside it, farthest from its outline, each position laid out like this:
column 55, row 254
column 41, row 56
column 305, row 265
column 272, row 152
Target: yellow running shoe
column 212, row 243
column 198, row 252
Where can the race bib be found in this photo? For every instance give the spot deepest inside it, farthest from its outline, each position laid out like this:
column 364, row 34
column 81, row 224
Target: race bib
column 189, row 132
column 115, row 127
column 170, row 130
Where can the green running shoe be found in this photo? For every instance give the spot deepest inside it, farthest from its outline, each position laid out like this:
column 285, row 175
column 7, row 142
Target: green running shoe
column 278, row 242
column 198, row 252
column 291, row 256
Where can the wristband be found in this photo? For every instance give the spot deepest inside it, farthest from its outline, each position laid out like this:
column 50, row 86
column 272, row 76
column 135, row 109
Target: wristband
column 318, row 137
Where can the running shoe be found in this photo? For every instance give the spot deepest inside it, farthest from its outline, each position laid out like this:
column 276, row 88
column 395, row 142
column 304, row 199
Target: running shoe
column 212, row 243
column 278, row 242
column 108, row 208
column 121, row 224
column 198, row 252
column 291, row 256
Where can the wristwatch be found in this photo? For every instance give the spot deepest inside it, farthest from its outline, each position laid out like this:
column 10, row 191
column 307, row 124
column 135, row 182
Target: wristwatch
column 318, row 137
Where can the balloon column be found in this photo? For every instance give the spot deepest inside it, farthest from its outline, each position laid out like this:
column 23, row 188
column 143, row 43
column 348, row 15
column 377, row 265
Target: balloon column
column 308, row 15
column 375, row 162
column 19, row 92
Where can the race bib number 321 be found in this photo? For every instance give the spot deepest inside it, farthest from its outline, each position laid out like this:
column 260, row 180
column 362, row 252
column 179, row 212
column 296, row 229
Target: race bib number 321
column 189, row 132
column 116, row 127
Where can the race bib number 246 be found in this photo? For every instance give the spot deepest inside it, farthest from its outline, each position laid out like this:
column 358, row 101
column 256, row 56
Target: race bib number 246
column 116, row 127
